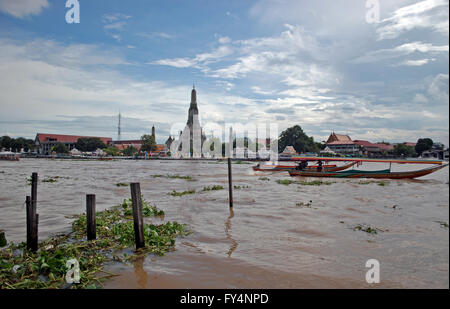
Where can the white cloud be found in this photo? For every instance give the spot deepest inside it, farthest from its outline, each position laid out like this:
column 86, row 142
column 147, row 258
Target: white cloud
column 438, row 88
column 22, row 8
column 416, row 63
column 399, row 51
column 431, row 14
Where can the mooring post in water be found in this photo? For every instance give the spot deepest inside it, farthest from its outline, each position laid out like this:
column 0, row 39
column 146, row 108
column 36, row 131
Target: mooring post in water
column 90, row 217
column 3, row 241
column 33, row 214
column 29, row 220
column 137, row 215
column 230, row 183
column 32, row 226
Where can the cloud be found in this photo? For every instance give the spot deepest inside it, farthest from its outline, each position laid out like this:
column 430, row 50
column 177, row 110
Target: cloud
column 431, row 14
column 154, row 35
column 23, row 8
column 115, row 23
column 399, row 51
column 416, row 63
column 438, row 88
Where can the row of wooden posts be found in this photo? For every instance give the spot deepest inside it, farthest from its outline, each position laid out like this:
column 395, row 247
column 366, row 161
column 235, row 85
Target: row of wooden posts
column 33, row 216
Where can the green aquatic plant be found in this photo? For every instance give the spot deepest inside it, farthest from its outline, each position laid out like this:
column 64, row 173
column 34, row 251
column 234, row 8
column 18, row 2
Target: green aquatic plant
column 285, row 181
column 315, row 183
column 175, row 193
column 122, row 184
column 241, row 162
column 179, row 177
column 264, row 178
column 213, row 188
column 302, row 205
column 20, row 268
column 241, row 187
column 367, row 229
column 148, row 210
column 442, row 223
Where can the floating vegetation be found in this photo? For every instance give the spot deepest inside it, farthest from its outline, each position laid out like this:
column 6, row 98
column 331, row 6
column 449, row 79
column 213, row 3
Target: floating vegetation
column 47, row 180
column 264, row 178
column 442, row 223
column 241, row 187
column 303, row 205
column 175, row 193
column 241, row 162
column 366, row 182
column 179, row 177
column 213, row 188
column 315, row 183
column 20, row 268
column 285, row 181
column 148, row 210
column 174, row 177
column 367, row 229
column 122, row 184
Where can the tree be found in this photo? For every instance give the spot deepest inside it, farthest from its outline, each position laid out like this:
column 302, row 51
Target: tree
column 423, row 144
column 6, row 142
column 295, row 137
column 89, row 144
column 59, row 148
column 148, row 143
column 403, row 150
column 111, row 150
column 129, row 151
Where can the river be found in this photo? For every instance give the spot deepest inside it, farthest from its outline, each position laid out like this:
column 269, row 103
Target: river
column 269, row 240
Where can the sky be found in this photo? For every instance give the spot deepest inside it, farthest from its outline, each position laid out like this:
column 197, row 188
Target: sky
column 376, row 70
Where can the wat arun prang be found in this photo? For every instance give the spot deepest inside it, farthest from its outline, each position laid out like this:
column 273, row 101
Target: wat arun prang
column 192, row 134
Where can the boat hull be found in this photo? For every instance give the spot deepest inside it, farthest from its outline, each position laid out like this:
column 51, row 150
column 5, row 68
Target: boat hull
column 313, row 168
column 384, row 174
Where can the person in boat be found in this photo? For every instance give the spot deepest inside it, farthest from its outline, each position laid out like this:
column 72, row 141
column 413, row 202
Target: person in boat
column 319, row 167
column 302, row 165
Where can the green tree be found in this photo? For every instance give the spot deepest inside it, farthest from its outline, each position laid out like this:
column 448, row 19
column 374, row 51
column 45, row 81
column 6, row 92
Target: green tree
column 423, row 144
column 148, row 143
column 295, row 137
column 59, row 148
column 89, row 144
column 129, row 151
column 111, row 150
column 6, row 142
column 403, row 150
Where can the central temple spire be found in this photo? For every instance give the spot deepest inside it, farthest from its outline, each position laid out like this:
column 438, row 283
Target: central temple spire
column 193, row 96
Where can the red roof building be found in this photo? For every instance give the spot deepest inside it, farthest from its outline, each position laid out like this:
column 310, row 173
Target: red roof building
column 343, row 144
column 44, row 142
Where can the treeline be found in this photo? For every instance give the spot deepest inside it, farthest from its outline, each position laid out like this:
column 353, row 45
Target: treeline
column 16, row 144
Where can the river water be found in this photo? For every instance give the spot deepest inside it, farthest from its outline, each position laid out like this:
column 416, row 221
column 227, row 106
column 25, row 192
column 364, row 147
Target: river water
column 268, row 240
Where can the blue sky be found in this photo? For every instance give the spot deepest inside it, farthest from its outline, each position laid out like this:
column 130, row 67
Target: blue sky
column 319, row 64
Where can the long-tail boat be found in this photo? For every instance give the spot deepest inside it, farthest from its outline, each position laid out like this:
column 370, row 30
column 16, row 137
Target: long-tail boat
column 279, row 168
column 386, row 173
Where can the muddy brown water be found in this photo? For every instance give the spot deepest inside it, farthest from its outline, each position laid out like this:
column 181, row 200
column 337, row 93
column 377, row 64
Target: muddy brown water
column 268, row 241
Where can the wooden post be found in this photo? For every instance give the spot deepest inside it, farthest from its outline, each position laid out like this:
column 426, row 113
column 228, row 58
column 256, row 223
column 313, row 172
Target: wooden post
column 34, row 183
column 230, row 183
column 29, row 220
column 3, row 241
column 137, row 215
column 90, row 217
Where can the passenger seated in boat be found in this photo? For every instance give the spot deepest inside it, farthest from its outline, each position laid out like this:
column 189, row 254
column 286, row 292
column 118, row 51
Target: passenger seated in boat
column 301, row 166
column 319, row 168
